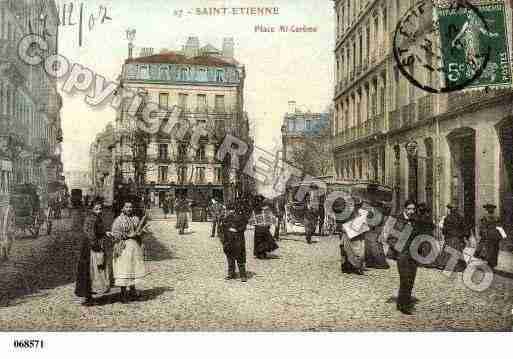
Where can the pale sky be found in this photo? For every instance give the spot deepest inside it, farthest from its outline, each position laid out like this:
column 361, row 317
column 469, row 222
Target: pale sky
column 280, row 67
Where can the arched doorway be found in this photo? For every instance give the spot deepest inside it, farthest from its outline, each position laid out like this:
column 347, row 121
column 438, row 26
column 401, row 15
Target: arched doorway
column 505, row 132
column 462, row 144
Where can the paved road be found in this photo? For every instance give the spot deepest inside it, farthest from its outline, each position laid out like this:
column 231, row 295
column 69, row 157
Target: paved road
column 301, row 289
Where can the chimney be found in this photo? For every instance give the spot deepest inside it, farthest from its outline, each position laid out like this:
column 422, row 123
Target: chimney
column 292, row 106
column 192, row 47
column 228, row 47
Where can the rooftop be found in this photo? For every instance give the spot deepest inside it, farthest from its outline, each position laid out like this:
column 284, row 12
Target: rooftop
column 175, row 58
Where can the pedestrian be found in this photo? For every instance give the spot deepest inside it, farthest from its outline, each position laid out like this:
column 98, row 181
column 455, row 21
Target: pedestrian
column 216, row 209
column 234, row 243
column 425, row 226
column 374, row 253
column 321, row 214
column 128, row 253
column 165, row 206
column 453, row 229
column 172, row 201
column 182, row 210
column 352, row 241
column 91, row 271
column 488, row 246
column 310, row 219
column 402, row 236
column 278, row 212
column 264, row 242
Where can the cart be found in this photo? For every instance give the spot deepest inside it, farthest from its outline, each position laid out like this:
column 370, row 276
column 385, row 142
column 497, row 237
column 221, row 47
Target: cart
column 25, row 213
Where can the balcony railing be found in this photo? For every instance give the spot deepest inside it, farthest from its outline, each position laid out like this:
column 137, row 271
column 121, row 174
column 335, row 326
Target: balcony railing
column 457, row 100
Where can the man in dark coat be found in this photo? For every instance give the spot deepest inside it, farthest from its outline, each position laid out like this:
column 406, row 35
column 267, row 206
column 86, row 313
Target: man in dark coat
column 488, row 247
column 402, row 235
column 234, row 243
column 310, row 219
column 279, row 213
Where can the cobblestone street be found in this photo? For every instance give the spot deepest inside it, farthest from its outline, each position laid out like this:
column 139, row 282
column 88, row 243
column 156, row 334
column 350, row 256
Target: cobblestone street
column 302, row 288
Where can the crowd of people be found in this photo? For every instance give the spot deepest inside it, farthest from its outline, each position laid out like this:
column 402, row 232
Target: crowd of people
column 115, row 258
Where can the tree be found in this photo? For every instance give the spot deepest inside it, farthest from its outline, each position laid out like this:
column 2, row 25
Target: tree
column 312, row 154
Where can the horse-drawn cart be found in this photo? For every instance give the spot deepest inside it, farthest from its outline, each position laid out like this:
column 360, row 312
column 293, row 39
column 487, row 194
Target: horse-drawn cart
column 25, row 212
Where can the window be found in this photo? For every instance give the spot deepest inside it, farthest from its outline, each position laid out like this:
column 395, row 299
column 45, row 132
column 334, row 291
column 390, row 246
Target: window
column 163, row 151
column 200, row 153
column 163, row 100
column 220, row 75
column 219, row 103
column 182, row 101
column 200, row 175
column 182, row 175
column 308, row 125
column 218, row 173
column 202, row 102
column 182, row 151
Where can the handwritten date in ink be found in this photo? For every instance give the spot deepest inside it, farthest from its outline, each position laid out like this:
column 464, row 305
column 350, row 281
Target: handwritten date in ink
column 28, row 344
column 68, row 13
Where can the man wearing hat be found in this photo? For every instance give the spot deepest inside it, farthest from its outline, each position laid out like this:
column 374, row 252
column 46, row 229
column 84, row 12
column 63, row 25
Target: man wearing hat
column 454, row 231
column 216, row 209
column 488, row 247
column 234, row 244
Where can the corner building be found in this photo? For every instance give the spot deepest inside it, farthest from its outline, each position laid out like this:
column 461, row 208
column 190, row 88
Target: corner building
column 464, row 138
column 206, row 84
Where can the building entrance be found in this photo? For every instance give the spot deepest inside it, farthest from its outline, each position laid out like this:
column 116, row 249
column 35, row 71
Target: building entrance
column 462, row 143
column 506, row 172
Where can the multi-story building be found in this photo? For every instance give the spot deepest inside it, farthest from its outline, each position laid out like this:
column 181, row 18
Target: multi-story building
column 307, row 133
column 30, row 124
column 463, row 139
column 101, row 164
column 79, row 179
column 204, row 83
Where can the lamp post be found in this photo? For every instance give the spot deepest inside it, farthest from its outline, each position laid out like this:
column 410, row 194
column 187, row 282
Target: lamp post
column 411, row 150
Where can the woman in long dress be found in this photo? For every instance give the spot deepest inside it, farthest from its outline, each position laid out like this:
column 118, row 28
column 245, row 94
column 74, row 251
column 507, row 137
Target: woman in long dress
column 352, row 237
column 128, row 263
column 488, row 246
column 263, row 240
column 91, row 273
column 453, row 229
column 374, row 252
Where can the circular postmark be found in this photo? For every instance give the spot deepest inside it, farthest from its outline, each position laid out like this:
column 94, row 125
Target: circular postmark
column 437, row 45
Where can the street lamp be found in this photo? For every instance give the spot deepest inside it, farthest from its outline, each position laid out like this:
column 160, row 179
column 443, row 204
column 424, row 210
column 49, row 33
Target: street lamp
column 130, row 36
column 411, row 150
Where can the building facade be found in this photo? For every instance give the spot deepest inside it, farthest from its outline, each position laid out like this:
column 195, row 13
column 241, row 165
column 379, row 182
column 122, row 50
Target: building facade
column 305, row 134
column 101, row 164
column 30, row 122
column 79, row 179
column 462, row 139
column 206, row 85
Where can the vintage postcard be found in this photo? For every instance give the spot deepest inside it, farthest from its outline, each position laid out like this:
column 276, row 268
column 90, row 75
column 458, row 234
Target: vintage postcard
column 277, row 166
